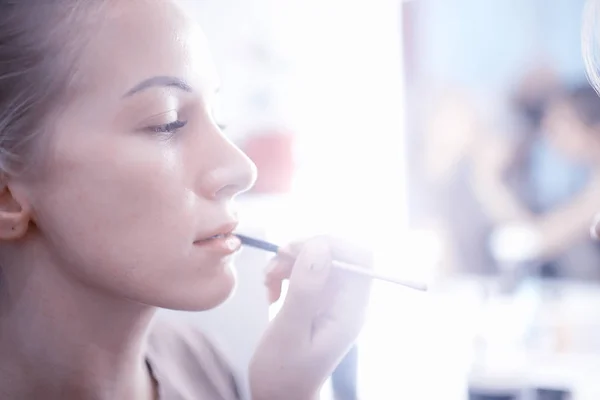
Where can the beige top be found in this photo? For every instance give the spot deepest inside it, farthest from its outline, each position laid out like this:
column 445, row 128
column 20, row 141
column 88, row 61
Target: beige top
column 186, row 365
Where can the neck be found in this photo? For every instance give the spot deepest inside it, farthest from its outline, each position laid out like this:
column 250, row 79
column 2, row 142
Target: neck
column 61, row 339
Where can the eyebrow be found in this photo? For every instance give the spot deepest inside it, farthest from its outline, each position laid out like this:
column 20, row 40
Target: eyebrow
column 159, row 81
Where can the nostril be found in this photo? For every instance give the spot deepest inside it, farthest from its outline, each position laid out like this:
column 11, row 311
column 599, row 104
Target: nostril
column 239, row 178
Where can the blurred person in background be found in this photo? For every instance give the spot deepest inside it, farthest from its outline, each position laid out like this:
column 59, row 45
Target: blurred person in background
column 547, row 179
column 449, row 206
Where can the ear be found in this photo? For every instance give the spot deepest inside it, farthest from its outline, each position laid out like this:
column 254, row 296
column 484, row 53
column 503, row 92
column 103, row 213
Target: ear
column 14, row 213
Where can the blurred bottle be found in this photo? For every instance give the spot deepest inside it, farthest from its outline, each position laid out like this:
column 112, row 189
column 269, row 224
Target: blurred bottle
column 500, row 368
column 523, row 318
column 552, row 394
column 487, row 396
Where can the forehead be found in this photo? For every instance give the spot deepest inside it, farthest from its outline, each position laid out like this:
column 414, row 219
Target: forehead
column 137, row 39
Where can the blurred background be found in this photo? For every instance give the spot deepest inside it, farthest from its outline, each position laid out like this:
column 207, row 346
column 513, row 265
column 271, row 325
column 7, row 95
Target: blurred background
column 457, row 138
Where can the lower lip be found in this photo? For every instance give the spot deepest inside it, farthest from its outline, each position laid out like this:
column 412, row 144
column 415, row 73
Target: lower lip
column 224, row 245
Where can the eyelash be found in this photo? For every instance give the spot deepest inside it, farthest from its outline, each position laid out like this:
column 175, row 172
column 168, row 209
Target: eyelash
column 170, row 128
column 173, row 127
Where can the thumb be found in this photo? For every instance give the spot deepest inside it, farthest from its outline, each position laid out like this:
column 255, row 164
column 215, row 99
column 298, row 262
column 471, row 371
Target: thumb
column 307, row 281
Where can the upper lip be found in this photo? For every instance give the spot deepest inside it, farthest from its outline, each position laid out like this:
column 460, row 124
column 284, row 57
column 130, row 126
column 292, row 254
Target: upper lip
column 224, row 229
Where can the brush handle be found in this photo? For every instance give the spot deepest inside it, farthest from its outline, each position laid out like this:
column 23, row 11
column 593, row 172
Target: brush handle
column 258, row 244
column 375, row 275
column 273, row 248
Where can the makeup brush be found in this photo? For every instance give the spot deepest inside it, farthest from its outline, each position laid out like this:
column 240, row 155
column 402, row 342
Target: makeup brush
column 273, row 248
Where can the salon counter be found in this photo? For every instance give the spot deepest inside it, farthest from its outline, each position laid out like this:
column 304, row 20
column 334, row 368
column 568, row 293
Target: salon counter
column 547, row 335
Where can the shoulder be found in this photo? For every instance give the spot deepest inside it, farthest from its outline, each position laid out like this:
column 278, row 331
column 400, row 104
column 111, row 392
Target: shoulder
column 179, row 349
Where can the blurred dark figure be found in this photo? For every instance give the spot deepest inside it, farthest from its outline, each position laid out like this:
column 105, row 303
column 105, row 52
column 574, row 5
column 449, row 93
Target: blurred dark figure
column 552, row 394
column 343, row 379
column 452, row 134
column 548, row 178
column 479, row 396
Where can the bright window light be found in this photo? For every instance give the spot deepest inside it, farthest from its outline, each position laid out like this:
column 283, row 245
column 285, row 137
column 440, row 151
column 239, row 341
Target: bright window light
column 345, row 87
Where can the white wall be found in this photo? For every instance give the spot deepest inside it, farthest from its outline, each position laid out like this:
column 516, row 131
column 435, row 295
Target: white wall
column 240, row 38
column 488, row 43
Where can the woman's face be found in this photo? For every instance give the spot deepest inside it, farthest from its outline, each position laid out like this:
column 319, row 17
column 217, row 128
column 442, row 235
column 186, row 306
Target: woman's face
column 136, row 174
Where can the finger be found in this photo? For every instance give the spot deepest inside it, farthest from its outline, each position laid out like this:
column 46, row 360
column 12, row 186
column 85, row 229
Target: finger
column 341, row 250
column 340, row 320
column 274, row 291
column 350, row 252
column 350, row 303
column 293, row 249
column 308, row 278
column 280, row 267
column 277, row 270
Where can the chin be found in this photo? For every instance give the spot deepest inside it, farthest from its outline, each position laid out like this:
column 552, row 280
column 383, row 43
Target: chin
column 207, row 294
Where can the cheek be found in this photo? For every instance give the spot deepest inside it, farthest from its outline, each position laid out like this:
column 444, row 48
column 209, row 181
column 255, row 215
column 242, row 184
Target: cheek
column 123, row 219
column 118, row 213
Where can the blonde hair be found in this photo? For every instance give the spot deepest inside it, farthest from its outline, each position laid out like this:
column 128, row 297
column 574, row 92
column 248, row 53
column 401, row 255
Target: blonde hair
column 37, row 59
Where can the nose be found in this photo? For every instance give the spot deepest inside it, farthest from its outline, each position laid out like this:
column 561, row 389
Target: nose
column 235, row 173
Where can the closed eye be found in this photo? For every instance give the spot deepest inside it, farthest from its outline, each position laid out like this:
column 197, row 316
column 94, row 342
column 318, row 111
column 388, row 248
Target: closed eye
column 171, row 127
